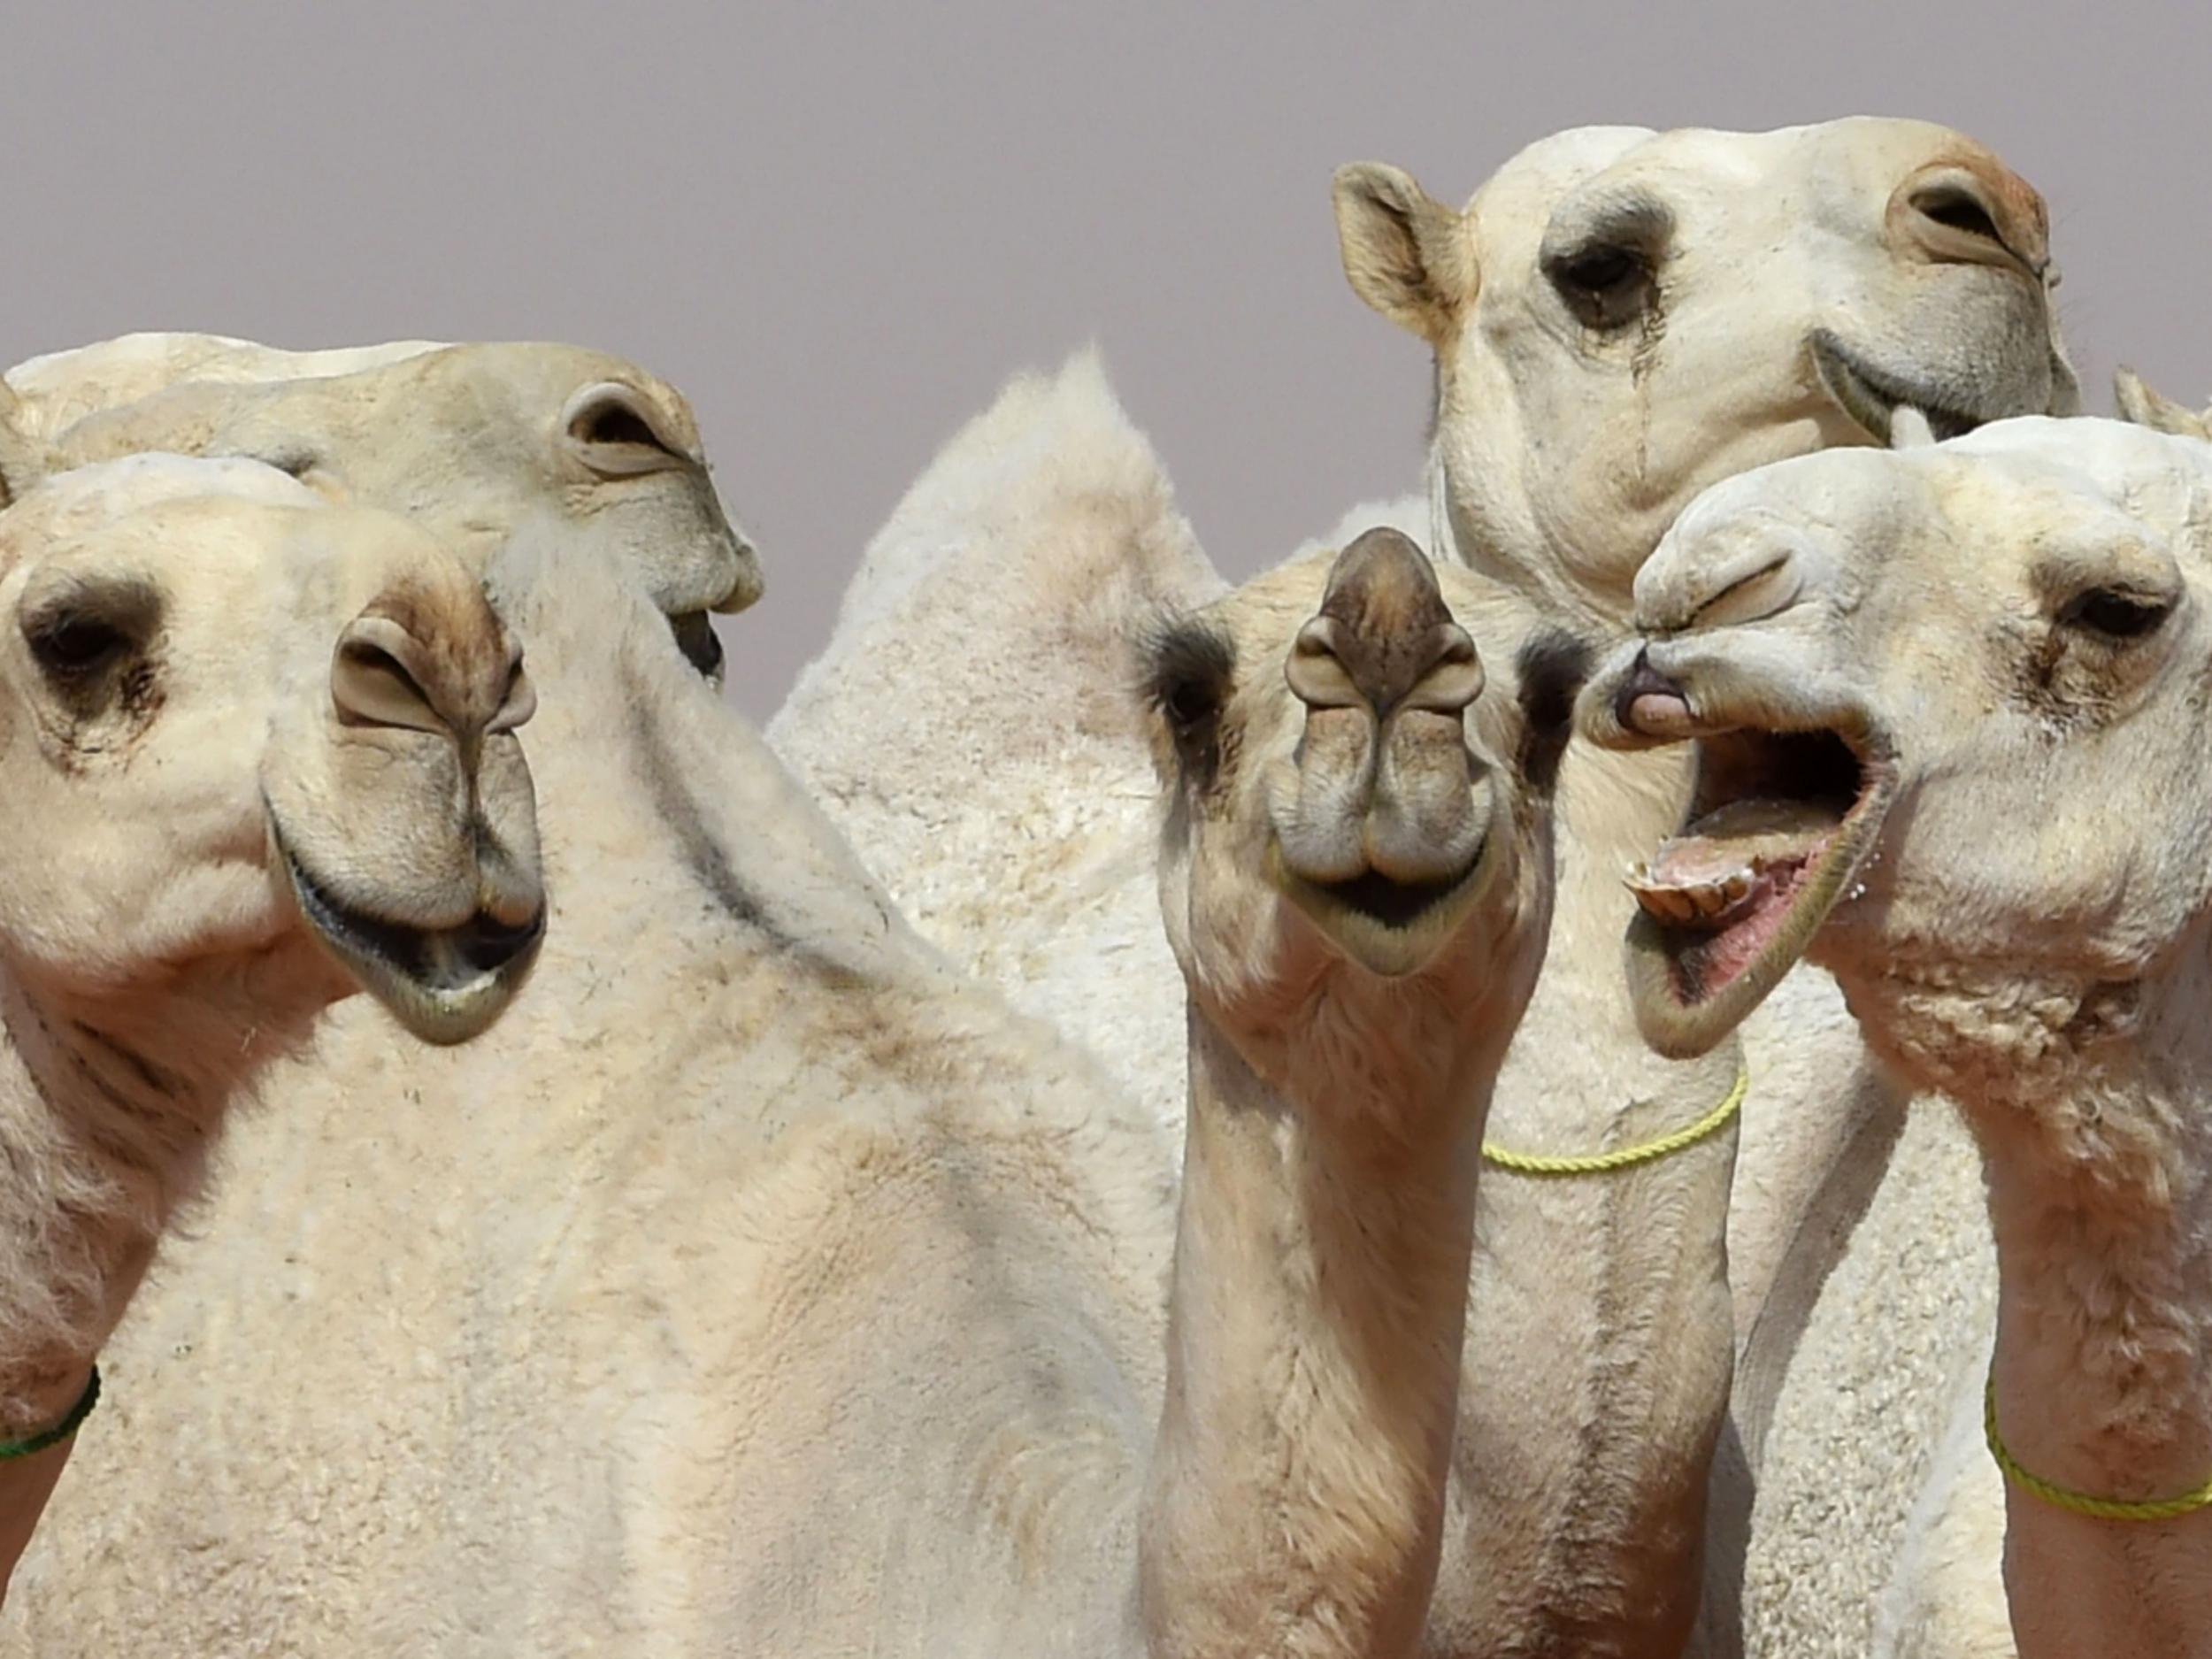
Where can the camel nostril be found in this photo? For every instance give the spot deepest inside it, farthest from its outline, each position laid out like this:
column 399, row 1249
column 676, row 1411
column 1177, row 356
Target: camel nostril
column 1316, row 671
column 373, row 685
column 1453, row 677
column 1973, row 214
column 1650, row 704
column 1953, row 205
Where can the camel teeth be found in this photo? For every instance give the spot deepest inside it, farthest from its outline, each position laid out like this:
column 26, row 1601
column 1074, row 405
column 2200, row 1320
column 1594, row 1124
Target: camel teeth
column 1709, row 900
column 1736, row 885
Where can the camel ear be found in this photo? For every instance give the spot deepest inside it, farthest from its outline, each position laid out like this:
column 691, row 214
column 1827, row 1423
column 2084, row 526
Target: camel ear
column 2146, row 408
column 23, row 459
column 1405, row 253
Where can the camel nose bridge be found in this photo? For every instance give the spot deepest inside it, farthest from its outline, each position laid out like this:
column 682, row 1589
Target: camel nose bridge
column 1384, row 638
column 1747, row 567
column 436, row 662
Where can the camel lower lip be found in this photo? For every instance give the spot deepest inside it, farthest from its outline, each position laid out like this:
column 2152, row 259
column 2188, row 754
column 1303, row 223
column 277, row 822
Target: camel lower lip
column 1727, row 906
column 1871, row 395
column 444, row 984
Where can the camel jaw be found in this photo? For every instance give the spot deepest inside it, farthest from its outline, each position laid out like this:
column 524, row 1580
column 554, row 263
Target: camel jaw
column 1779, row 828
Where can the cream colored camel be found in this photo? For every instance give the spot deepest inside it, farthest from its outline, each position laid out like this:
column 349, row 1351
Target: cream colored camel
column 770, row 1287
column 59, row 388
column 1871, row 705
column 258, row 756
column 471, row 440
column 1797, row 270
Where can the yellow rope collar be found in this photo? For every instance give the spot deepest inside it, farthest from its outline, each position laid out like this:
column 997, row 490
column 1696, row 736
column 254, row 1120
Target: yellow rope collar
column 2080, row 1502
column 1604, row 1163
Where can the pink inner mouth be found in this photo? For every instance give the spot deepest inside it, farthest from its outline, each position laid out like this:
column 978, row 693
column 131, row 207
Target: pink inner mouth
column 1722, row 890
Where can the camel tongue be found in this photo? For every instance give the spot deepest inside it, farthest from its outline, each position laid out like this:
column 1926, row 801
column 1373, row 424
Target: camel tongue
column 1742, row 835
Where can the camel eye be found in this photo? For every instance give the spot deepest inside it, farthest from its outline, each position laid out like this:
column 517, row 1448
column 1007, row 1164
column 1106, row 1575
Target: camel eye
column 76, row 645
column 1188, row 704
column 1607, row 286
column 1188, row 670
column 2115, row 613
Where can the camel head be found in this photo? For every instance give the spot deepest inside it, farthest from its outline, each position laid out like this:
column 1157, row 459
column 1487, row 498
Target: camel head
column 1355, row 827
column 473, row 440
column 1621, row 317
column 1948, row 702
column 248, row 739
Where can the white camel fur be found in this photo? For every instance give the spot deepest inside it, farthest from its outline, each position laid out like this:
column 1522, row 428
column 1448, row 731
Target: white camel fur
column 471, row 440
column 257, row 755
column 832, row 1316
column 1599, row 1340
column 58, row 389
column 1871, row 704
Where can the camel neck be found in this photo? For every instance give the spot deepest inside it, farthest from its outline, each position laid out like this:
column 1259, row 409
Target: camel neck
column 2102, row 1210
column 100, row 1139
column 1295, row 1497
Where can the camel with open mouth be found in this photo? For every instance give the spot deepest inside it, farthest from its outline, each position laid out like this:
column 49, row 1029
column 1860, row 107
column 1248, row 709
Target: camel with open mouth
column 1949, row 709
column 1618, row 317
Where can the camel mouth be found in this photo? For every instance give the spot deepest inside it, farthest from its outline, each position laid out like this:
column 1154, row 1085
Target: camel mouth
column 1389, row 926
column 446, row 985
column 1871, row 396
column 1778, row 827
column 700, row 645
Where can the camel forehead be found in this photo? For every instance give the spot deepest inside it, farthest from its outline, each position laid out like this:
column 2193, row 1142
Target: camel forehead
column 1861, row 156
column 84, row 499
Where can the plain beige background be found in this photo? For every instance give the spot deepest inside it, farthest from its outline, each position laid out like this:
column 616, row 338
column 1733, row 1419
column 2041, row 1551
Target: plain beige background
column 840, row 226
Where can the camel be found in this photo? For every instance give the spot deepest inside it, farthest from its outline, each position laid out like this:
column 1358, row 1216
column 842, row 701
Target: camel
column 856, row 1310
column 468, row 439
column 260, row 757
column 1806, row 623
column 1819, row 269
column 57, row 389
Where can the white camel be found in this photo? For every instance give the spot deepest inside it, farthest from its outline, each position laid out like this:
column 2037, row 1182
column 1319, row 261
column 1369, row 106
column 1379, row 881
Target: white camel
column 258, row 755
column 1976, row 789
column 769, row 1285
column 471, row 440
column 1801, row 279
column 58, row 388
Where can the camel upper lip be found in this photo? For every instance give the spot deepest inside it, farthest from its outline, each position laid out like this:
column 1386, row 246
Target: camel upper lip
column 1779, row 826
column 439, row 980
column 1870, row 395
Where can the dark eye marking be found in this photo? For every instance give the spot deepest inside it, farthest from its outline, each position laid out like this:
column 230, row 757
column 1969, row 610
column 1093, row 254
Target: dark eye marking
column 1551, row 668
column 1188, row 668
column 76, row 644
column 1607, row 276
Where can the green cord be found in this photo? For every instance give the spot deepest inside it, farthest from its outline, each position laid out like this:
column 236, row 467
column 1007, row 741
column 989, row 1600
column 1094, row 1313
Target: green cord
column 2080, row 1502
column 1604, row 1162
column 61, row 1431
